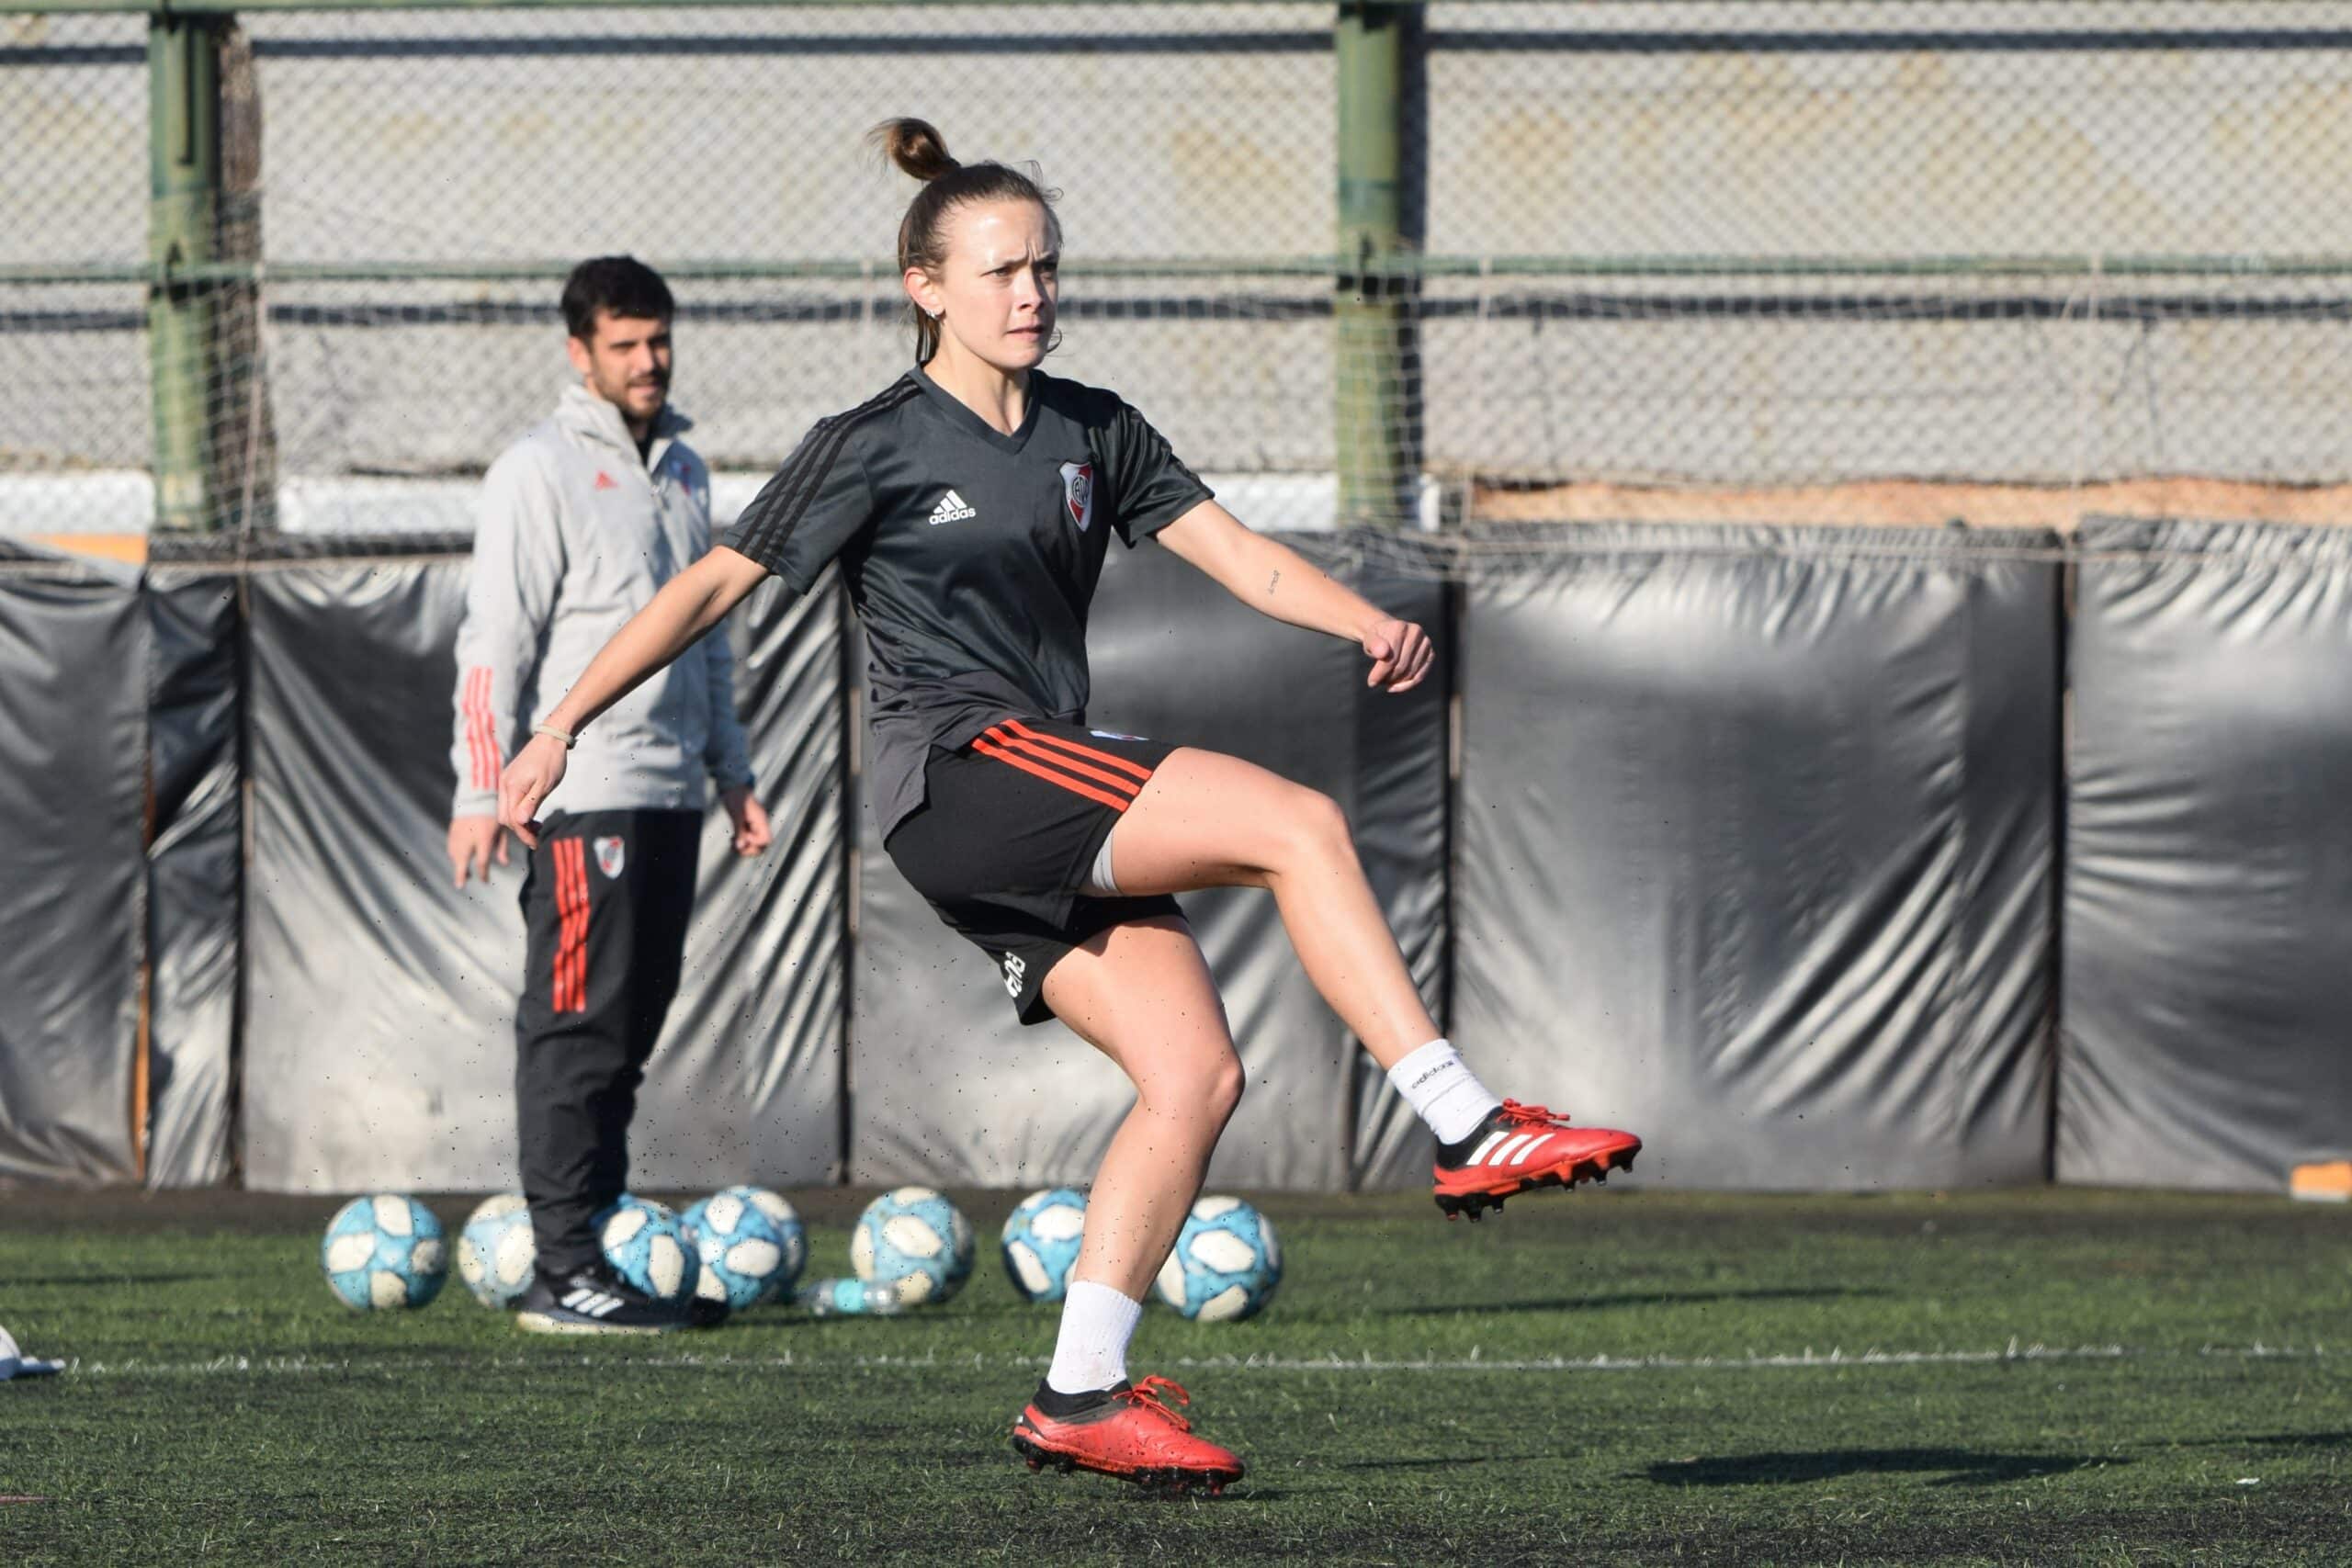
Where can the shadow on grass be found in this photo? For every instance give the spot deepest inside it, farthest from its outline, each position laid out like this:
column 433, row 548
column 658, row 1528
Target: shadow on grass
column 2289, row 1441
column 1449, row 1462
column 70, row 1279
column 1960, row 1467
column 1625, row 1299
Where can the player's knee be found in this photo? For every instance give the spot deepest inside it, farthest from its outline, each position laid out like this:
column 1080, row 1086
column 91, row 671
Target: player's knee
column 1207, row 1089
column 1226, row 1082
column 1319, row 828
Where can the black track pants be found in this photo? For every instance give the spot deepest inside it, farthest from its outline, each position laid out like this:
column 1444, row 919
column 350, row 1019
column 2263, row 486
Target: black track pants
column 606, row 904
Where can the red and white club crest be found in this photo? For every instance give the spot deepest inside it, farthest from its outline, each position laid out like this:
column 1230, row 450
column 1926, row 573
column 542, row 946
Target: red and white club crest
column 1078, row 492
column 611, row 856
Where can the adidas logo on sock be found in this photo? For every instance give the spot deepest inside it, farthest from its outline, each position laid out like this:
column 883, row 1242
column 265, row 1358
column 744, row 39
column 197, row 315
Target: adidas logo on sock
column 950, row 508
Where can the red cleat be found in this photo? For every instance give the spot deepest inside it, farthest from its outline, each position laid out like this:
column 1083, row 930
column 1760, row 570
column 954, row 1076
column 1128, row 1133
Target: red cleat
column 1519, row 1147
column 1131, row 1432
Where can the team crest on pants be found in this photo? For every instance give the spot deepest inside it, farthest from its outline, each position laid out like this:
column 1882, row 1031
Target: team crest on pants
column 1078, row 492
column 611, row 856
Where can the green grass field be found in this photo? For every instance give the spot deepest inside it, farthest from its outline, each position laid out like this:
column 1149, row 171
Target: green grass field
column 2040, row 1377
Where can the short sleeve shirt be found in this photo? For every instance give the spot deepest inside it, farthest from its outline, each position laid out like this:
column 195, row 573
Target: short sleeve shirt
column 971, row 555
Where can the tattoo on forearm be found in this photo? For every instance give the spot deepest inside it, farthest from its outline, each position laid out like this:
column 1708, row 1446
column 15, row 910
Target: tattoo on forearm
column 1273, row 581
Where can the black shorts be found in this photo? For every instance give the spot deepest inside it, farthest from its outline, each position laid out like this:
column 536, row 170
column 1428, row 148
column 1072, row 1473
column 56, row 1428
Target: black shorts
column 1007, row 834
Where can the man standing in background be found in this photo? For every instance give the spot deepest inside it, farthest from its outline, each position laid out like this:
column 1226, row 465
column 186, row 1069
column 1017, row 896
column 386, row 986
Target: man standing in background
column 582, row 521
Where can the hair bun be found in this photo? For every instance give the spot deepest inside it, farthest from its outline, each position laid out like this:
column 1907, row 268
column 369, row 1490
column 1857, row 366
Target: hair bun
column 915, row 146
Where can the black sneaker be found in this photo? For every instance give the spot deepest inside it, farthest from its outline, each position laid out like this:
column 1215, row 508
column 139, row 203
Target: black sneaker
column 594, row 1299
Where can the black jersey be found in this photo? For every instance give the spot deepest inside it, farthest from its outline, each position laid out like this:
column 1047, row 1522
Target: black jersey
column 970, row 554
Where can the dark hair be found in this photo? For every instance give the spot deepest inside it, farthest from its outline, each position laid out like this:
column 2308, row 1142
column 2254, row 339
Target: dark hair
column 918, row 148
column 619, row 286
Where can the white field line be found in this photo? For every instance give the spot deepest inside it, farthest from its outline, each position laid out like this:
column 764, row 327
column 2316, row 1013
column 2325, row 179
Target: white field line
column 1808, row 1360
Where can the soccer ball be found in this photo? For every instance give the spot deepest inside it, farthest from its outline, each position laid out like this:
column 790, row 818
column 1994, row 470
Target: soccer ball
column 750, row 1244
column 648, row 1248
column 384, row 1251
column 1225, row 1265
column 852, row 1298
column 497, row 1253
column 1041, row 1242
column 912, row 1239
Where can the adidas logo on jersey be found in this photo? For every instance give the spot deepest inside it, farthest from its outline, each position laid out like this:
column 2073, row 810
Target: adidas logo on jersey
column 950, row 508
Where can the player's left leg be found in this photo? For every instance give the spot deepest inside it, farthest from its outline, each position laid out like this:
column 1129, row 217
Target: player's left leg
column 1141, row 994
column 1209, row 821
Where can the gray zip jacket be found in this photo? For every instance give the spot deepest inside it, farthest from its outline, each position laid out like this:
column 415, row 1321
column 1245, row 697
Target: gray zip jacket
column 576, row 533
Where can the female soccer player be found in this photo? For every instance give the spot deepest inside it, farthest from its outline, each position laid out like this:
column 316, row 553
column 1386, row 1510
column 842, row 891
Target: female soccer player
column 969, row 505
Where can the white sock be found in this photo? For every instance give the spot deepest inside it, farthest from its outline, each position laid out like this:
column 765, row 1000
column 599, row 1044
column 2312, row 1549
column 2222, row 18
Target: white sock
column 1091, row 1352
column 1442, row 1091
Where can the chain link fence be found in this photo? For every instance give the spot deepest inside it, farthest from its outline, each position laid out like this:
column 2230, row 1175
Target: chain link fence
column 1690, row 259
column 73, row 437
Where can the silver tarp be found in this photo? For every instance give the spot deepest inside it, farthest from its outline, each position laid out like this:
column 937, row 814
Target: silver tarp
column 1757, row 829
column 378, row 1047
column 73, row 734
column 2208, row 956
column 1754, row 849
column 195, row 870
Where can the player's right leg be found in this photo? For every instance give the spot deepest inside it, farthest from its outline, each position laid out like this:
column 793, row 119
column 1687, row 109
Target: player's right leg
column 575, row 1070
column 1209, row 821
column 1141, row 994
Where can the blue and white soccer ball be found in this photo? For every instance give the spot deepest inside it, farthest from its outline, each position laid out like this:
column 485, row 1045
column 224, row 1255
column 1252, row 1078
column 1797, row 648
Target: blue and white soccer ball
column 385, row 1250
column 1041, row 1242
column 750, row 1244
column 852, row 1298
column 497, row 1254
column 915, row 1241
column 647, row 1247
column 1225, row 1265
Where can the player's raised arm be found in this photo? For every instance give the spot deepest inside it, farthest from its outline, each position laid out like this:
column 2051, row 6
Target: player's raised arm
column 1273, row 579
column 688, row 605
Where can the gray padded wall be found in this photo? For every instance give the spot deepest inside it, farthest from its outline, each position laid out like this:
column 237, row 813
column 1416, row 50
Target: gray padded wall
column 378, row 1044
column 1755, row 840
column 946, row 1087
column 2208, row 964
column 72, row 729
column 195, row 867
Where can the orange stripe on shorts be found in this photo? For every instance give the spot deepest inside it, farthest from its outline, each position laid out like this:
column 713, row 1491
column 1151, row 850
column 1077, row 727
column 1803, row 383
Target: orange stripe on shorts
column 1109, row 758
column 987, row 748
column 1068, row 764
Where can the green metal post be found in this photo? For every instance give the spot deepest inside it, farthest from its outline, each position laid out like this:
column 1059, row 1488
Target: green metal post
column 183, row 204
column 1368, row 311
